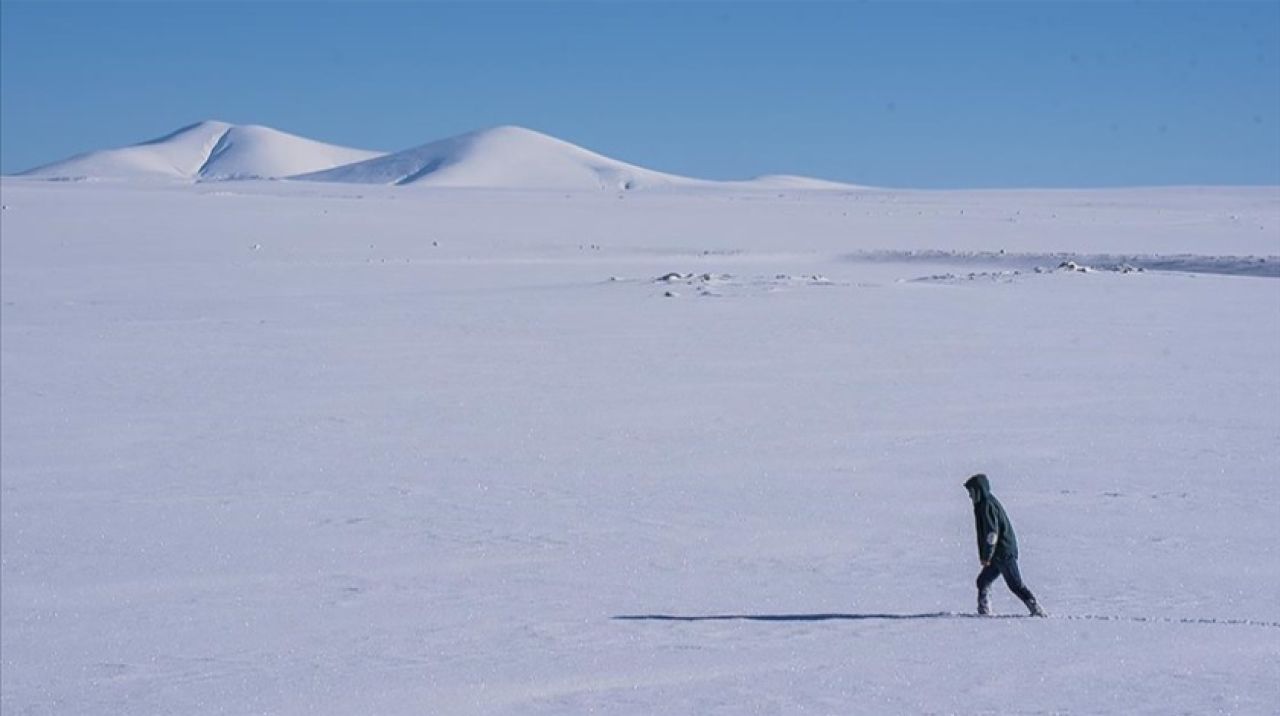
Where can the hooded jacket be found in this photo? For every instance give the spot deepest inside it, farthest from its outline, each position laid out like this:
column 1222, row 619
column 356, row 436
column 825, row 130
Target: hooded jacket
column 996, row 540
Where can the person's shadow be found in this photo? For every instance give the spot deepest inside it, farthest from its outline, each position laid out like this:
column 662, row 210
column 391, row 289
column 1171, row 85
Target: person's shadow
column 787, row 617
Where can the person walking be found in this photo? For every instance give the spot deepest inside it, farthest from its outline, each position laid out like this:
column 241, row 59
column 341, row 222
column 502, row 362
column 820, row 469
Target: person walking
column 997, row 547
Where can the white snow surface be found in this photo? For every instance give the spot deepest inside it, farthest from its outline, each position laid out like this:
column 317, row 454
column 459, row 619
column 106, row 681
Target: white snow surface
column 210, row 150
column 307, row 448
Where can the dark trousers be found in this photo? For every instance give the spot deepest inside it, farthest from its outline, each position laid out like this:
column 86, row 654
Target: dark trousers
column 1012, row 577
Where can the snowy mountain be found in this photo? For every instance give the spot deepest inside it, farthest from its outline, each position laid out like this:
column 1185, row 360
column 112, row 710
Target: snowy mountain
column 501, row 158
column 205, row 151
column 506, row 157
column 511, row 157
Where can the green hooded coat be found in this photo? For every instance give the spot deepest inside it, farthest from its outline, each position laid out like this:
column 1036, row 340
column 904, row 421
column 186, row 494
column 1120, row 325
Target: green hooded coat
column 996, row 540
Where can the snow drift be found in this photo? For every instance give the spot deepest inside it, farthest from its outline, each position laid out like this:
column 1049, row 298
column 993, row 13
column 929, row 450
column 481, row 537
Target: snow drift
column 208, row 150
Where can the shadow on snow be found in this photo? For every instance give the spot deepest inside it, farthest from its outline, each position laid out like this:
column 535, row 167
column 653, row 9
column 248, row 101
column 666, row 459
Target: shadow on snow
column 788, row 617
column 823, row 617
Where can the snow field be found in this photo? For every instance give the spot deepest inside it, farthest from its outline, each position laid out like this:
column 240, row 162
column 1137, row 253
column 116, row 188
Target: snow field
column 418, row 453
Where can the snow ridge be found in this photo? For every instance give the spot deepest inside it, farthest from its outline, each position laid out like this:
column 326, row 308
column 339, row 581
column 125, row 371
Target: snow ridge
column 1261, row 266
column 220, row 147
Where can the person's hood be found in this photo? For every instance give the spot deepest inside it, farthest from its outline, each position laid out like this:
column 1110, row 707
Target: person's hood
column 979, row 483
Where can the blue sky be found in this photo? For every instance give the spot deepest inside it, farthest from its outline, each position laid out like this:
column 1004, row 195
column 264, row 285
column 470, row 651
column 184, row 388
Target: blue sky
column 907, row 94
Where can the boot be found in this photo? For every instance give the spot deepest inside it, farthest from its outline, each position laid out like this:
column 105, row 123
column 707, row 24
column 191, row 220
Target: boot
column 984, row 603
column 1034, row 607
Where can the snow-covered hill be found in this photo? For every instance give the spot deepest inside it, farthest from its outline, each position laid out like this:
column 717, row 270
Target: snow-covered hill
column 208, row 150
column 501, row 158
column 511, row 157
column 505, row 157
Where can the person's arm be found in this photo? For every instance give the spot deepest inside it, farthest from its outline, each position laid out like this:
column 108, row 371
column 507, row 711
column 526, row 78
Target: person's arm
column 989, row 529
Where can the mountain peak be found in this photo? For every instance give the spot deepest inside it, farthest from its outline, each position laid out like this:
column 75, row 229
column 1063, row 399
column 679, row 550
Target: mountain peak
column 512, row 130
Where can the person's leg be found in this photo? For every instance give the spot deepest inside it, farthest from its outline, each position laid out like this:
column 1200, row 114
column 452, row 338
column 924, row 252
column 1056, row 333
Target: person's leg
column 985, row 578
column 1013, row 578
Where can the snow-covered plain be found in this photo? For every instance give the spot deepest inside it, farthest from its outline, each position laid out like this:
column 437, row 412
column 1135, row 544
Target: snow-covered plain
column 275, row 447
